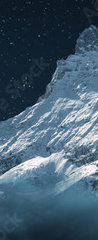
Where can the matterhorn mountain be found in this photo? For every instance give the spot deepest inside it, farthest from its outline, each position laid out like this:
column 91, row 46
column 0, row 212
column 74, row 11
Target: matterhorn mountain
column 49, row 154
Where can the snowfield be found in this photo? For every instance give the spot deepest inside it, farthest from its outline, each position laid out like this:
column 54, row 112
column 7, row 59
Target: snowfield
column 52, row 147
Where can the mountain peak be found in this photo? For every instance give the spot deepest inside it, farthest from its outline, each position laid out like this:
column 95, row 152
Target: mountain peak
column 78, row 73
column 88, row 40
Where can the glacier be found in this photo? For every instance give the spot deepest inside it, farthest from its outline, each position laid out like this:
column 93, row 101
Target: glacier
column 49, row 154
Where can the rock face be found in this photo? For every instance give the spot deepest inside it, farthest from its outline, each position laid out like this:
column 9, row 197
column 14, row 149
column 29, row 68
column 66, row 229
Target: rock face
column 88, row 40
column 54, row 144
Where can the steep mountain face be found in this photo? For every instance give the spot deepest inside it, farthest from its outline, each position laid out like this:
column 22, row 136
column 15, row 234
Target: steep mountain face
column 64, row 121
column 54, row 144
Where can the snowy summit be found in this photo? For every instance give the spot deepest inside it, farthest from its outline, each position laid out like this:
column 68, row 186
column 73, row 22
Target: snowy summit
column 53, row 145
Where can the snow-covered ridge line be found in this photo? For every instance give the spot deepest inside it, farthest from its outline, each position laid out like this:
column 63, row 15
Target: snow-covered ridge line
column 63, row 123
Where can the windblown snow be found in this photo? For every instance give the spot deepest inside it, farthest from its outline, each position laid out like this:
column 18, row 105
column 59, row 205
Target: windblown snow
column 54, row 144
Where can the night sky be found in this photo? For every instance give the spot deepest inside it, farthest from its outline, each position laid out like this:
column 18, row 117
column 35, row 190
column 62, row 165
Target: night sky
column 34, row 34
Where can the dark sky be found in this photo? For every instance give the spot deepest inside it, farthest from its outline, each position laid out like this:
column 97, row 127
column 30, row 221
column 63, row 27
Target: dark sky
column 34, row 34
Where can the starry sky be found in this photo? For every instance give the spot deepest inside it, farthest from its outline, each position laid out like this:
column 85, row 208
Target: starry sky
column 34, row 34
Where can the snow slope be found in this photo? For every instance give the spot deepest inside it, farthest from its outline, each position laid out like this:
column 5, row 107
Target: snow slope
column 54, row 144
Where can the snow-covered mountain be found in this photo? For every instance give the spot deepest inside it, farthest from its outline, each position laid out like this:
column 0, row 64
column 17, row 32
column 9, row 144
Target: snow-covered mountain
column 53, row 145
